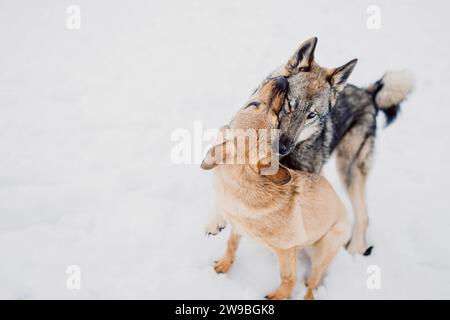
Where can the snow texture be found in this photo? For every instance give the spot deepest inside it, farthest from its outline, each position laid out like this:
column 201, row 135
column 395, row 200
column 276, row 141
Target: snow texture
column 86, row 117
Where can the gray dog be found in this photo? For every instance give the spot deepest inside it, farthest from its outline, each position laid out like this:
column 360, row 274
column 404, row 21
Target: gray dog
column 322, row 114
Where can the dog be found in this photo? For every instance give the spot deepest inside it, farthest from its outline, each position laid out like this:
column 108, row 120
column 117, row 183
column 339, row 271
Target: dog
column 321, row 115
column 283, row 209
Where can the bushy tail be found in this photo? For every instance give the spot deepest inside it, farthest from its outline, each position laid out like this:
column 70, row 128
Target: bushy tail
column 390, row 91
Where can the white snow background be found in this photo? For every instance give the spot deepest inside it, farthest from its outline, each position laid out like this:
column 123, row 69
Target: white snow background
column 86, row 118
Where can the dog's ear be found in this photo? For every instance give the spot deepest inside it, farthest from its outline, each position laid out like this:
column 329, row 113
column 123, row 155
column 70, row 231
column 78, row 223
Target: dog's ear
column 213, row 157
column 278, row 174
column 218, row 152
column 302, row 58
column 338, row 77
column 274, row 92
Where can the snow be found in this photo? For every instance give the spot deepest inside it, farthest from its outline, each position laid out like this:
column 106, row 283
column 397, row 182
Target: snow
column 86, row 118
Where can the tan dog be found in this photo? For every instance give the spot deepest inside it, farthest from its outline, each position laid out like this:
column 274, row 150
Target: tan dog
column 286, row 210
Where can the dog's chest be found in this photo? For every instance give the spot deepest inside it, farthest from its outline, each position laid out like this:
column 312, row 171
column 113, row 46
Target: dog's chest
column 272, row 226
column 274, row 229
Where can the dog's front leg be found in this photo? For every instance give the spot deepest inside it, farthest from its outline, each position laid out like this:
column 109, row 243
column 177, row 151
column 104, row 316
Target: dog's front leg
column 224, row 264
column 288, row 270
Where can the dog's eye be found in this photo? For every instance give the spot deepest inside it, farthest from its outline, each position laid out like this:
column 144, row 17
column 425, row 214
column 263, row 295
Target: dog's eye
column 311, row 115
column 254, row 104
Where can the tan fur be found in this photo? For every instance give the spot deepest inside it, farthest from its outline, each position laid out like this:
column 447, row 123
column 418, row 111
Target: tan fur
column 224, row 264
column 283, row 215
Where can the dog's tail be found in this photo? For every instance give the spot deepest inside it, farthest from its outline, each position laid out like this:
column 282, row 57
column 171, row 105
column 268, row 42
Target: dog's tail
column 391, row 90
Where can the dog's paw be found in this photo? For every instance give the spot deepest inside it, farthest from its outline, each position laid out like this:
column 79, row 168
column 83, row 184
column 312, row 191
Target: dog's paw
column 223, row 265
column 214, row 228
column 359, row 247
column 277, row 295
column 309, row 295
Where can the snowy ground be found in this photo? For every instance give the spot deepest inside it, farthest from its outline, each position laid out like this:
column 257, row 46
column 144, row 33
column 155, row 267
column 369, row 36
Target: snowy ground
column 86, row 118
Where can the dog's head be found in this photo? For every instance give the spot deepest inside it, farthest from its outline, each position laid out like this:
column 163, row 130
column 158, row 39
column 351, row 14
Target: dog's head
column 249, row 138
column 312, row 93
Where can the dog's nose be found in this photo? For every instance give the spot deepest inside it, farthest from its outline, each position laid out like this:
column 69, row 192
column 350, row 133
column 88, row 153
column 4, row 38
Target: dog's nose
column 284, row 146
column 283, row 149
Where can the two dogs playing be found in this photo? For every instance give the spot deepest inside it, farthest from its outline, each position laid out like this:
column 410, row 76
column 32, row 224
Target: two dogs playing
column 288, row 206
column 284, row 210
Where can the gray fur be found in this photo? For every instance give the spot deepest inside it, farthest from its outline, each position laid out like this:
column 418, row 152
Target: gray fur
column 354, row 110
column 322, row 114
